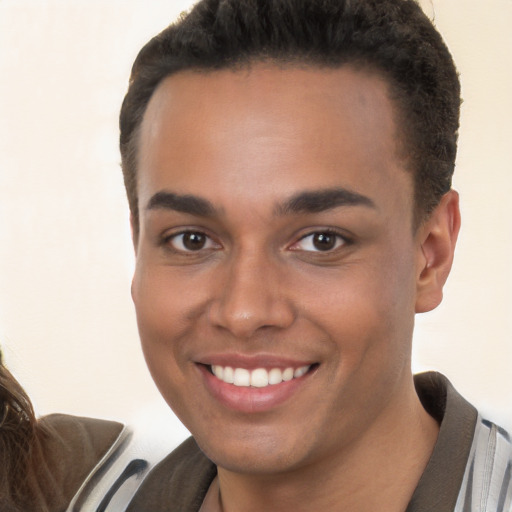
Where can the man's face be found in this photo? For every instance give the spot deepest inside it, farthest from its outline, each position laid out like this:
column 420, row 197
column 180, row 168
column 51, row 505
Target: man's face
column 275, row 237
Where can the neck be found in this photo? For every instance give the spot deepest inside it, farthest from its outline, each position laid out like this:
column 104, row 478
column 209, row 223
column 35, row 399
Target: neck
column 378, row 471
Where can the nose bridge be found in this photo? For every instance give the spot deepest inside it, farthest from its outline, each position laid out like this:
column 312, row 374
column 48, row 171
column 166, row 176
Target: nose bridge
column 252, row 294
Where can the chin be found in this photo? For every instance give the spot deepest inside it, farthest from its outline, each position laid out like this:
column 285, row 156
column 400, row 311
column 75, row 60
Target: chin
column 263, row 451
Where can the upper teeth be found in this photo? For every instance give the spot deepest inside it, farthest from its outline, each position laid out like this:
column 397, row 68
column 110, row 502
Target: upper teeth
column 258, row 378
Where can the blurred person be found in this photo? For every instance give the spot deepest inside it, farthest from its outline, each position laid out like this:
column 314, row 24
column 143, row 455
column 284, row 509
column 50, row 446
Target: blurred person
column 42, row 462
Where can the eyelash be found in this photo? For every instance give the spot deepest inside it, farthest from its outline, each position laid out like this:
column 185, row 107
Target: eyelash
column 340, row 241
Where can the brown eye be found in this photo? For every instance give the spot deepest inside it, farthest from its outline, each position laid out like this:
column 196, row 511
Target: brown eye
column 324, row 241
column 191, row 241
column 194, row 241
column 320, row 241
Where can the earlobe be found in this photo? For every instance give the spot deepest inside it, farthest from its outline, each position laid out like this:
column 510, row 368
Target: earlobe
column 437, row 239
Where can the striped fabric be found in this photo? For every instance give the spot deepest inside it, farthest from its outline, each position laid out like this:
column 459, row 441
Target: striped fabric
column 114, row 481
column 487, row 484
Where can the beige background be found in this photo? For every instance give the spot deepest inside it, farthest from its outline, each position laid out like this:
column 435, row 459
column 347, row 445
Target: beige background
column 66, row 320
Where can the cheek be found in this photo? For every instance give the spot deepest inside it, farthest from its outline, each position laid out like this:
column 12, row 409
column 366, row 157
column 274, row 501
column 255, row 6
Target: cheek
column 164, row 318
column 365, row 307
column 164, row 304
column 158, row 309
column 162, row 341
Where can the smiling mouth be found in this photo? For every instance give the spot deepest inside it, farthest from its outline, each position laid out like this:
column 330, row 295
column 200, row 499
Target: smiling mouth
column 259, row 377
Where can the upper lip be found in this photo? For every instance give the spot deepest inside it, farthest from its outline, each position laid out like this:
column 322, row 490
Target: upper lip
column 251, row 362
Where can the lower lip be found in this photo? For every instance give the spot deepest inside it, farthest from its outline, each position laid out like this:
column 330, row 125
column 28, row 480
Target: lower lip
column 249, row 399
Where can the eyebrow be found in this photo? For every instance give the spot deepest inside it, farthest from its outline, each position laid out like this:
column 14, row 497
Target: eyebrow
column 317, row 201
column 311, row 201
column 190, row 204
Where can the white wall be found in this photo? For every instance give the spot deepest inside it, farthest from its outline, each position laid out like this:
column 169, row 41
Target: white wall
column 66, row 320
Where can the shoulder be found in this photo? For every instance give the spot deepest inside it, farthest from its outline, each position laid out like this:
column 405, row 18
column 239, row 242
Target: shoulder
column 472, row 459
column 142, row 469
column 180, row 480
column 81, row 432
column 72, row 446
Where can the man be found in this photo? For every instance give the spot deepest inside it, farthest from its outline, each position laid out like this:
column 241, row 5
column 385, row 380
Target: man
column 288, row 166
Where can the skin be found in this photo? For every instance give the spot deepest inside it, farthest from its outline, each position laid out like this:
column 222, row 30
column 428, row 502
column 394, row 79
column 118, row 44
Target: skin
column 353, row 434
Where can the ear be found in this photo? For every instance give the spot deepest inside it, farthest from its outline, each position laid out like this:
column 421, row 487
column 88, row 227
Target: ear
column 436, row 245
column 134, row 228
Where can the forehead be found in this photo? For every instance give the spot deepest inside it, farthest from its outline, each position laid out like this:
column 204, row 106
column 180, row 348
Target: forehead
column 304, row 127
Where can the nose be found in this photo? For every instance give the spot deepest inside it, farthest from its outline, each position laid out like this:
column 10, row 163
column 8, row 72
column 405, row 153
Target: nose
column 252, row 296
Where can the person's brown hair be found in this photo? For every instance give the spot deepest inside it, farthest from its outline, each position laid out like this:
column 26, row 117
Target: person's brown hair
column 25, row 485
